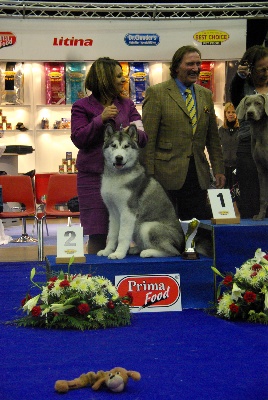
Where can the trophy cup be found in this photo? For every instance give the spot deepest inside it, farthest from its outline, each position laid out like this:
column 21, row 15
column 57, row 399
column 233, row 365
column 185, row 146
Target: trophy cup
column 190, row 229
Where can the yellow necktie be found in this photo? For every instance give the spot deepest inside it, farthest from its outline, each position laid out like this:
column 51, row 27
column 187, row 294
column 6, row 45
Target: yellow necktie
column 191, row 108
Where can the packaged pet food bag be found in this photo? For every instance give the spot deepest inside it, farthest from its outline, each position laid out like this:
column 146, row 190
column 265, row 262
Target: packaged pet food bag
column 125, row 69
column 139, row 80
column 11, row 83
column 75, row 81
column 55, row 83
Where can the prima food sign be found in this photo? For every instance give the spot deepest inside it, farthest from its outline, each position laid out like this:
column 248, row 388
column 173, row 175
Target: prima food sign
column 7, row 39
column 151, row 292
column 211, row 37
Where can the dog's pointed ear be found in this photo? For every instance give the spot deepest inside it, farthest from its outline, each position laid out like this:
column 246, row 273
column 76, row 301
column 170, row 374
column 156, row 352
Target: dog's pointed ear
column 133, row 133
column 240, row 110
column 109, row 130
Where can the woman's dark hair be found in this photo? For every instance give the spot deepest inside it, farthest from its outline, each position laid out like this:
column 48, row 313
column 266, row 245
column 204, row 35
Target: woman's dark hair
column 253, row 54
column 178, row 56
column 100, row 79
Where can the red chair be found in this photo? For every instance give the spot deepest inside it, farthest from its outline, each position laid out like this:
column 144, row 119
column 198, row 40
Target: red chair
column 61, row 188
column 19, row 189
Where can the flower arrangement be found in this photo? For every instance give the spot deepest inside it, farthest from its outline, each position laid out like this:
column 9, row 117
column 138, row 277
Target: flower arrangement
column 77, row 301
column 245, row 293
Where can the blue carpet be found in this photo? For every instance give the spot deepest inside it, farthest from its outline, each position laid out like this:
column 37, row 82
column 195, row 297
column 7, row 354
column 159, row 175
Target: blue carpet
column 186, row 355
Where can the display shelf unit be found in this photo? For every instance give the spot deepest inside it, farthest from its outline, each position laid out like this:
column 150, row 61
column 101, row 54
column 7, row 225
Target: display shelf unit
column 52, row 144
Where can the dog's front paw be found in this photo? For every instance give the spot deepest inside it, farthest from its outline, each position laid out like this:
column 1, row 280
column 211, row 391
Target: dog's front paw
column 117, row 255
column 258, row 217
column 147, row 253
column 104, row 252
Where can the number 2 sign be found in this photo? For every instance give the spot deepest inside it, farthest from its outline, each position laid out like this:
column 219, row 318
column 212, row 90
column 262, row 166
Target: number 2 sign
column 221, row 204
column 70, row 243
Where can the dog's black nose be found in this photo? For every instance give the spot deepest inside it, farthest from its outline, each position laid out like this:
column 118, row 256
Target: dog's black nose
column 250, row 114
column 118, row 159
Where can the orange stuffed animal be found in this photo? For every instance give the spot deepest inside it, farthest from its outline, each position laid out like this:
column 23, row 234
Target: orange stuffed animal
column 115, row 380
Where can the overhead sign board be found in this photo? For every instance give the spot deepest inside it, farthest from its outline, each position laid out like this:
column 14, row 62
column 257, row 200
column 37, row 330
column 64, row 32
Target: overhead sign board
column 129, row 40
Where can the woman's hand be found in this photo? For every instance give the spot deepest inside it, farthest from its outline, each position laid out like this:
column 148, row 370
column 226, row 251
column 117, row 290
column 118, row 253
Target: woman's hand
column 109, row 112
column 243, row 70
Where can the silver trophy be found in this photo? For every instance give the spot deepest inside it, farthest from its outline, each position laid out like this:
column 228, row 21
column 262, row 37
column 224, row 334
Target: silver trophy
column 190, row 229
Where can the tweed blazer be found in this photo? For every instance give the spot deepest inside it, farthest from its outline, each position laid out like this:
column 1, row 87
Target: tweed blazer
column 171, row 141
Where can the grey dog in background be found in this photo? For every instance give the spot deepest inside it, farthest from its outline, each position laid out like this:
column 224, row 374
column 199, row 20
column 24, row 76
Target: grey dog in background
column 254, row 108
column 139, row 209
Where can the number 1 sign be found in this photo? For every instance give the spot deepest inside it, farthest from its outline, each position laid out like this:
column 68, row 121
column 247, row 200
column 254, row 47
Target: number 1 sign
column 222, row 207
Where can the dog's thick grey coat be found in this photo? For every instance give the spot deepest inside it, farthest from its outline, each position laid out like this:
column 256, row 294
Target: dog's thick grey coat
column 254, row 108
column 139, row 209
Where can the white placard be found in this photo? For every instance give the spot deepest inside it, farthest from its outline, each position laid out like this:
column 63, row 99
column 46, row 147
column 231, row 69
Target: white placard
column 221, row 203
column 70, row 242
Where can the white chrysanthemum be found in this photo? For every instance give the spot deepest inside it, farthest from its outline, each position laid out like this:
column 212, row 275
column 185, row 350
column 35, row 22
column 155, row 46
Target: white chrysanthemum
column 224, row 304
column 246, row 271
column 100, row 280
column 57, row 290
column 113, row 291
column 100, row 299
column 92, row 287
column 79, row 285
column 44, row 294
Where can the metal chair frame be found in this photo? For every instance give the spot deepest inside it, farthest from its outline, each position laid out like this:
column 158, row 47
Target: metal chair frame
column 18, row 189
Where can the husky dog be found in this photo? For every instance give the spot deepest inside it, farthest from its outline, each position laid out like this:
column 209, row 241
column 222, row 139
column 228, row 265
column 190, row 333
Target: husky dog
column 254, row 108
column 139, row 209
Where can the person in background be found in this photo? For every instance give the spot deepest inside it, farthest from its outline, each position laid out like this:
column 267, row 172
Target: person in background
column 175, row 152
column 88, row 118
column 228, row 133
column 251, row 78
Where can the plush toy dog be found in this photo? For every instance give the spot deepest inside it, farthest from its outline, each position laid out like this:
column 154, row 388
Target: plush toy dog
column 115, row 380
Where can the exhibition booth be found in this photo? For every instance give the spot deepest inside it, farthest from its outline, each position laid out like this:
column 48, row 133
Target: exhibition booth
column 39, row 60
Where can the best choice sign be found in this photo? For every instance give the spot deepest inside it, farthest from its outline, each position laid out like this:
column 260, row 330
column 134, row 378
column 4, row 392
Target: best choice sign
column 151, row 292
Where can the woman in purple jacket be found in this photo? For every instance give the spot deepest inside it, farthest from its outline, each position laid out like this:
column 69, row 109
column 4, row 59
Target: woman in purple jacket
column 89, row 115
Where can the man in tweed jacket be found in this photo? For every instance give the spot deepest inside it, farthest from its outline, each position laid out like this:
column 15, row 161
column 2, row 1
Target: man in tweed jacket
column 174, row 154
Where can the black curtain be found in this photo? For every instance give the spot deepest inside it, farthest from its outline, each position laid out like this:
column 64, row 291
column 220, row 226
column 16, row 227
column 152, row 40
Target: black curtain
column 256, row 32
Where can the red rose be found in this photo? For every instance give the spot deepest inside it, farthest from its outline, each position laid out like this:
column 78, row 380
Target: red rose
column 64, row 283
column 234, row 308
column 130, row 295
column 36, row 311
column 83, row 308
column 53, row 279
column 256, row 267
column 23, row 301
column 253, row 274
column 250, row 297
column 266, row 257
column 228, row 280
column 51, row 286
column 110, row 304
